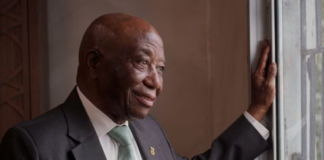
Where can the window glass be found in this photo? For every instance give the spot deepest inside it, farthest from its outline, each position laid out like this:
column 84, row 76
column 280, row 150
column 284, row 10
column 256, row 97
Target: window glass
column 301, row 78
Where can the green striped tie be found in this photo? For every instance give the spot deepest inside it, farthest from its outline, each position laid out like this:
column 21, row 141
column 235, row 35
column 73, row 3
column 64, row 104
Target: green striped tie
column 122, row 135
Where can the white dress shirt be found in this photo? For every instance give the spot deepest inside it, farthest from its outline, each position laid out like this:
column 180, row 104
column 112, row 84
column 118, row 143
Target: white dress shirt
column 257, row 125
column 103, row 124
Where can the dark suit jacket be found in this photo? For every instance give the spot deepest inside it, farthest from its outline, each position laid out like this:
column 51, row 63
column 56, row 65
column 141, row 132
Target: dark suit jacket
column 66, row 133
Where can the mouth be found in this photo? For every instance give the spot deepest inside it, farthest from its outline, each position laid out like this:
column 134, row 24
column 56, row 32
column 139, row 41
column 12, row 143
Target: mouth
column 146, row 100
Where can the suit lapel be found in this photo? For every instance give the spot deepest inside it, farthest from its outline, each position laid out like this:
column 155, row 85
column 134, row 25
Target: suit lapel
column 145, row 141
column 89, row 149
column 81, row 130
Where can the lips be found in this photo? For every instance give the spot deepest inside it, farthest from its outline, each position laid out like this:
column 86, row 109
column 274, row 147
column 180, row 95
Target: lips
column 146, row 99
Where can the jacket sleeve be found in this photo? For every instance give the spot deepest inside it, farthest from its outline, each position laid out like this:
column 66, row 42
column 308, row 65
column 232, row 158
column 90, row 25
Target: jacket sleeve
column 241, row 141
column 18, row 145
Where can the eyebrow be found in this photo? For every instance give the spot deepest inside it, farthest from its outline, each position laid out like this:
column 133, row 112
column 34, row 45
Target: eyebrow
column 149, row 53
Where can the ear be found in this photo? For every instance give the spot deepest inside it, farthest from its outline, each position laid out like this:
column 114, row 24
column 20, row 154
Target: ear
column 93, row 59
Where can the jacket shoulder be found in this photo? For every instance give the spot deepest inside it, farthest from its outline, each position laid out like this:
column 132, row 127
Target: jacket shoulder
column 49, row 124
column 55, row 115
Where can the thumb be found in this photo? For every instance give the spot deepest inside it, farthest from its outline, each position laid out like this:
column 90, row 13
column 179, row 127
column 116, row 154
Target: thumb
column 272, row 72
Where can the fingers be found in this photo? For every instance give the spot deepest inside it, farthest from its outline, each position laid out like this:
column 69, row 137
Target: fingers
column 264, row 56
column 271, row 75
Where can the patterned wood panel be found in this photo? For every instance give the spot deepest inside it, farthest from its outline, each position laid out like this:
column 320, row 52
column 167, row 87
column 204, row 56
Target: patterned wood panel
column 14, row 64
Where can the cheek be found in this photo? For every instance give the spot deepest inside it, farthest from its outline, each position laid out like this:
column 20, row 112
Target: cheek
column 104, row 78
column 137, row 77
column 108, row 80
column 132, row 77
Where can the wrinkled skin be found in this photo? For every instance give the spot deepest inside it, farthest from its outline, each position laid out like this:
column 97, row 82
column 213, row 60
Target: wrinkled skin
column 263, row 85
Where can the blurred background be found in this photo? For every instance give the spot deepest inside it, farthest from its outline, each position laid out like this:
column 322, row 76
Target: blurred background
column 206, row 45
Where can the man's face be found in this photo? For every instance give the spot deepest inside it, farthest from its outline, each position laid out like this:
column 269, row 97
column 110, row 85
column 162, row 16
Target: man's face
column 132, row 79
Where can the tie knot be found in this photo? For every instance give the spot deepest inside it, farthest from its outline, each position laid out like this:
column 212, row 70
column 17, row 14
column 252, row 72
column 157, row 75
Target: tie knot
column 121, row 134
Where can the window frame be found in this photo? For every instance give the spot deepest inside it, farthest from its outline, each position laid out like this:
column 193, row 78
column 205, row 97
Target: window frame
column 264, row 23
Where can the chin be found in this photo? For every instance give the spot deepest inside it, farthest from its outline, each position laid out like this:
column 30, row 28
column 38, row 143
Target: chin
column 138, row 112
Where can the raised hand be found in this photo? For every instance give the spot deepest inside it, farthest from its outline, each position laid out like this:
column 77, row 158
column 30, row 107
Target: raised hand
column 263, row 86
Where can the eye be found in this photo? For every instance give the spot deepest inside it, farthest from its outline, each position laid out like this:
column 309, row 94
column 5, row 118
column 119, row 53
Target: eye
column 161, row 68
column 144, row 62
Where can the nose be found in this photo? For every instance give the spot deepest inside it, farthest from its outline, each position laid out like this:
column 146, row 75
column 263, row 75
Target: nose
column 153, row 80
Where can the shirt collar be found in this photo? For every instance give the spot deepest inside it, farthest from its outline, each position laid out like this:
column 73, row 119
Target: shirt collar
column 100, row 121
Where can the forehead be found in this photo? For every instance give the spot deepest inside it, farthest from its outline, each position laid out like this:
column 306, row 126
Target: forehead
column 151, row 43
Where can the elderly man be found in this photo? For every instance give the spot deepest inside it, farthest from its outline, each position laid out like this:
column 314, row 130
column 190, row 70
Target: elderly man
column 121, row 63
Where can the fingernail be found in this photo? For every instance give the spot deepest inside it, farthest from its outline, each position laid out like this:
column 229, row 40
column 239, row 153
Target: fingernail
column 274, row 64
